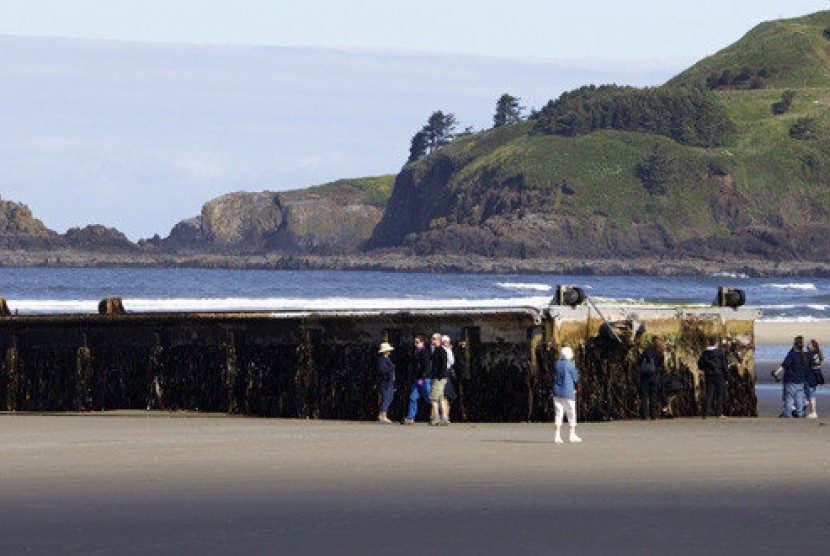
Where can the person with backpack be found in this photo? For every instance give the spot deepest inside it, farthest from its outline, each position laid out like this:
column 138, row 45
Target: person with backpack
column 714, row 366
column 651, row 364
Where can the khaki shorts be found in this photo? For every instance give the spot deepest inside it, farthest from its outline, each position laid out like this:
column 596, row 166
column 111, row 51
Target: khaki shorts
column 437, row 392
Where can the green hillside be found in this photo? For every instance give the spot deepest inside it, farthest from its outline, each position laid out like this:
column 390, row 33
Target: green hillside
column 374, row 190
column 608, row 172
column 775, row 54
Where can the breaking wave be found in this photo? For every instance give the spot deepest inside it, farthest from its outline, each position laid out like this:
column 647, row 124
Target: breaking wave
column 792, row 286
column 524, row 286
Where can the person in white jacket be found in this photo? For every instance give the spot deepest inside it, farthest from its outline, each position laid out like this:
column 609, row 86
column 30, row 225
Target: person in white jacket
column 564, row 394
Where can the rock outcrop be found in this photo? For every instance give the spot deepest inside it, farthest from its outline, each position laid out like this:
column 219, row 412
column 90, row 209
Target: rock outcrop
column 332, row 219
column 99, row 239
column 19, row 229
column 243, row 221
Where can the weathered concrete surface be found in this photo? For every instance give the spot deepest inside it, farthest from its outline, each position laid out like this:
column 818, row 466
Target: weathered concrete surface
column 322, row 364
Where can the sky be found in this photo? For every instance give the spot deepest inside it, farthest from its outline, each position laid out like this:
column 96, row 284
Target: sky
column 133, row 113
column 560, row 29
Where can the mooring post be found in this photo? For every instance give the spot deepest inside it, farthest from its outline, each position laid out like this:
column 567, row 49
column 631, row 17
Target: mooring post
column 111, row 306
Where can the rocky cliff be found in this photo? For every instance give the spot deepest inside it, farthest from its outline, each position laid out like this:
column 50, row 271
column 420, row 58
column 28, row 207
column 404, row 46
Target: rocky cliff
column 332, row 218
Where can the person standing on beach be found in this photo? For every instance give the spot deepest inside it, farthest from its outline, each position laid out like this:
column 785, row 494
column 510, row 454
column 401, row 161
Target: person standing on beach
column 422, row 382
column 814, row 376
column 651, row 364
column 564, row 394
column 795, row 368
column 385, row 381
column 438, row 365
column 713, row 364
column 450, row 393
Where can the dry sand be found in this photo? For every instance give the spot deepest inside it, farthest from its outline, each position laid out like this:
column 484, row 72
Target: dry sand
column 778, row 333
column 154, row 482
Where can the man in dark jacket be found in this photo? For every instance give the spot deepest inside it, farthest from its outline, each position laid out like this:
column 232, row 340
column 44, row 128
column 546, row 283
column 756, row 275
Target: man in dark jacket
column 651, row 363
column 422, row 380
column 713, row 364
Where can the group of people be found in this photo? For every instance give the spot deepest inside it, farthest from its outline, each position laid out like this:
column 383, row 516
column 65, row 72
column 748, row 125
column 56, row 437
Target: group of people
column 800, row 374
column 434, row 377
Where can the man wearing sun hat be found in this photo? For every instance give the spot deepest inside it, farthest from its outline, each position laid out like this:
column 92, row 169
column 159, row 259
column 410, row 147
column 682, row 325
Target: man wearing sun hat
column 385, row 380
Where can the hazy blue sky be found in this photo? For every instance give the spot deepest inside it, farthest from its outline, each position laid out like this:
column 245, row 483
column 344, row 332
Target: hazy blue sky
column 138, row 134
column 629, row 29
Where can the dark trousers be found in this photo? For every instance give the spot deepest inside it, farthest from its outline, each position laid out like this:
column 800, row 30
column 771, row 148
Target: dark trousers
column 387, row 391
column 714, row 388
column 649, row 395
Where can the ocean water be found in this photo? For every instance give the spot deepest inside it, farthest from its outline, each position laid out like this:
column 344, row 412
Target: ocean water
column 78, row 290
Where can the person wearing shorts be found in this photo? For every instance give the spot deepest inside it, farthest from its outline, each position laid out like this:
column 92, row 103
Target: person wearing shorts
column 438, row 373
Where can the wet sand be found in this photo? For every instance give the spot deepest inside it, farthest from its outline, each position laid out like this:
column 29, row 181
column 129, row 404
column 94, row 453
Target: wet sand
column 135, row 482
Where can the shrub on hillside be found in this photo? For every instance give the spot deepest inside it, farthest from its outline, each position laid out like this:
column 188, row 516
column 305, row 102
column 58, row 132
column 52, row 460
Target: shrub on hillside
column 805, row 128
column 783, row 106
column 747, row 78
column 689, row 116
column 654, row 172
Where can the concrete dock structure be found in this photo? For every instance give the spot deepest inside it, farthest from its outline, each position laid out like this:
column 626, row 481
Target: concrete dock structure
column 321, row 364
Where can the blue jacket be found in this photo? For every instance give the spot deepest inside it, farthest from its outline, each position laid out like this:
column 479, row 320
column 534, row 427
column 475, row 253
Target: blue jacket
column 386, row 371
column 564, row 386
column 796, row 367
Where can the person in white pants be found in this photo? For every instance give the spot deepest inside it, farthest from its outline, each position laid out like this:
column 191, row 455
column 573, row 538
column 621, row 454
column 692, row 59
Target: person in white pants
column 564, row 393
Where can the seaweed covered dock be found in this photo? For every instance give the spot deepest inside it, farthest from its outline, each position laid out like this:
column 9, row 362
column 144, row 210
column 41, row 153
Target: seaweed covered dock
column 321, row 364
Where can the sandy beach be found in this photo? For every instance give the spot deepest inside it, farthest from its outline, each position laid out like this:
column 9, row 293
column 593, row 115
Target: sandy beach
column 135, row 482
column 767, row 332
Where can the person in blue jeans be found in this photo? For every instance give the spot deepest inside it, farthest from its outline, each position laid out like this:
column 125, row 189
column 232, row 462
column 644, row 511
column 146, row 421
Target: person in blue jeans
column 422, row 380
column 795, row 368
